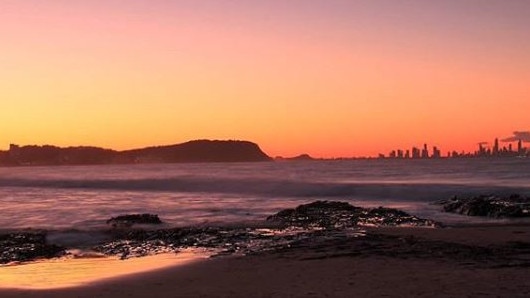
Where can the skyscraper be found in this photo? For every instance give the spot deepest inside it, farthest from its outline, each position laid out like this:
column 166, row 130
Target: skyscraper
column 415, row 152
column 436, row 152
column 496, row 147
column 425, row 152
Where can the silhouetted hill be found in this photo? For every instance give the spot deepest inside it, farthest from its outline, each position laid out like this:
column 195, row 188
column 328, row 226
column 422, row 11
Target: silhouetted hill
column 193, row 151
column 200, row 151
column 299, row 157
column 302, row 157
column 52, row 155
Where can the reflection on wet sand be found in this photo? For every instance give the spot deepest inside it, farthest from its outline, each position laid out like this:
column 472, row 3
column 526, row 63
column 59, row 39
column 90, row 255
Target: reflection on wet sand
column 71, row 272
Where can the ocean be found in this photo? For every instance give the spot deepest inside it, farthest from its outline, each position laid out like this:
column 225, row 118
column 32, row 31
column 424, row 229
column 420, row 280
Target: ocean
column 84, row 197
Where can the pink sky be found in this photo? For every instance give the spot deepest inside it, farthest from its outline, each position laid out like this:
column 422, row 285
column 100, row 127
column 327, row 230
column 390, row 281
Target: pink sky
column 328, row 78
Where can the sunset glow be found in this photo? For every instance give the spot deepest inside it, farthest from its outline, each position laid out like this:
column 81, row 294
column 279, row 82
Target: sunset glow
column 72, row 272
column 329, row 78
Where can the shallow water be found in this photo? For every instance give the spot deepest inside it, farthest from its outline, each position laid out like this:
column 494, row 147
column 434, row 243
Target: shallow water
column 84, row 197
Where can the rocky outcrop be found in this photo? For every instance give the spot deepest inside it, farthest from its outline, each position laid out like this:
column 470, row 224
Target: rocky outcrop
column 317, row 220
column 223, row 240
column 488, row 205
column 382, row 216
column 329, row 215
column 285, row 227
column 318, row 214
column 21, row 247
column 131, row 219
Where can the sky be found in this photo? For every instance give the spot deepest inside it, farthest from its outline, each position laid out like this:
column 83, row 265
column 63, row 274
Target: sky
column 330, row 78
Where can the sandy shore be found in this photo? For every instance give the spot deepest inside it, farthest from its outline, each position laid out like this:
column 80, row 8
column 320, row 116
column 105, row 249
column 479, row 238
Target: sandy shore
column 479, row 261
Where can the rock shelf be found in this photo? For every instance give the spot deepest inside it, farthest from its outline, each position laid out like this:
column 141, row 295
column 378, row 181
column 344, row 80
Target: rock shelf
column 327, row 228
column 512, row 206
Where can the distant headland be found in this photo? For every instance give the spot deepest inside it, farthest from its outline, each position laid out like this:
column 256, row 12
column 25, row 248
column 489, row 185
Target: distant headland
column 192, row 151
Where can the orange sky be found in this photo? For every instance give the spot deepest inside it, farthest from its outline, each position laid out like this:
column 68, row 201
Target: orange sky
column 328, row 78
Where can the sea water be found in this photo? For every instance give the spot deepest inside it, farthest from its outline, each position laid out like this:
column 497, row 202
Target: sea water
column 84, row 197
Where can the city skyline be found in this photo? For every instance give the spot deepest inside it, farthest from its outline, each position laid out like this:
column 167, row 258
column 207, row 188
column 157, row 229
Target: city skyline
column 483, row 150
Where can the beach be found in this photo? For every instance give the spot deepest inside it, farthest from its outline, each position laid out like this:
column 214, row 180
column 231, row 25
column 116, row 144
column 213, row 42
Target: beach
column 496, row 265
column 289, row 229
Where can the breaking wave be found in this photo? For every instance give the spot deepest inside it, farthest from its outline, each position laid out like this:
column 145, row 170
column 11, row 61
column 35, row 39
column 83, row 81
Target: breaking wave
column 271, row 187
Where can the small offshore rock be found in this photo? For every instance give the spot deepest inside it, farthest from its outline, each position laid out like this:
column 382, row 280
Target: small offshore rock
column 488, row 206
column 130, row 219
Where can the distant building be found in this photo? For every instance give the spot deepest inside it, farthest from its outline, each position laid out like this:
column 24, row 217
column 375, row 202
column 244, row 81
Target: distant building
column 425, row 152
column 14, row 151
column 415, row 152
column 496, row 147
column 481, row 150
column 436, row 152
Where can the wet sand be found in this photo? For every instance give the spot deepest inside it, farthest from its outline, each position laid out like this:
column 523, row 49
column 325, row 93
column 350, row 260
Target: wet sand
column 478, row 261
column 70, row 272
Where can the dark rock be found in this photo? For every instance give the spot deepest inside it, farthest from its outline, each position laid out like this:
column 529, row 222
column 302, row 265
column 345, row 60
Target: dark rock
column 21, row 247
column 391, row 217
column 331, row 215
column 130, row 219
column 134, row 243
column 490, row 206
column 318, row 214
column 321, row 229
column 320, row 219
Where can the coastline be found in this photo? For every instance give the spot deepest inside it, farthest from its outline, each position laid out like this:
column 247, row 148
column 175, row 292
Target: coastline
column 340, row 269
